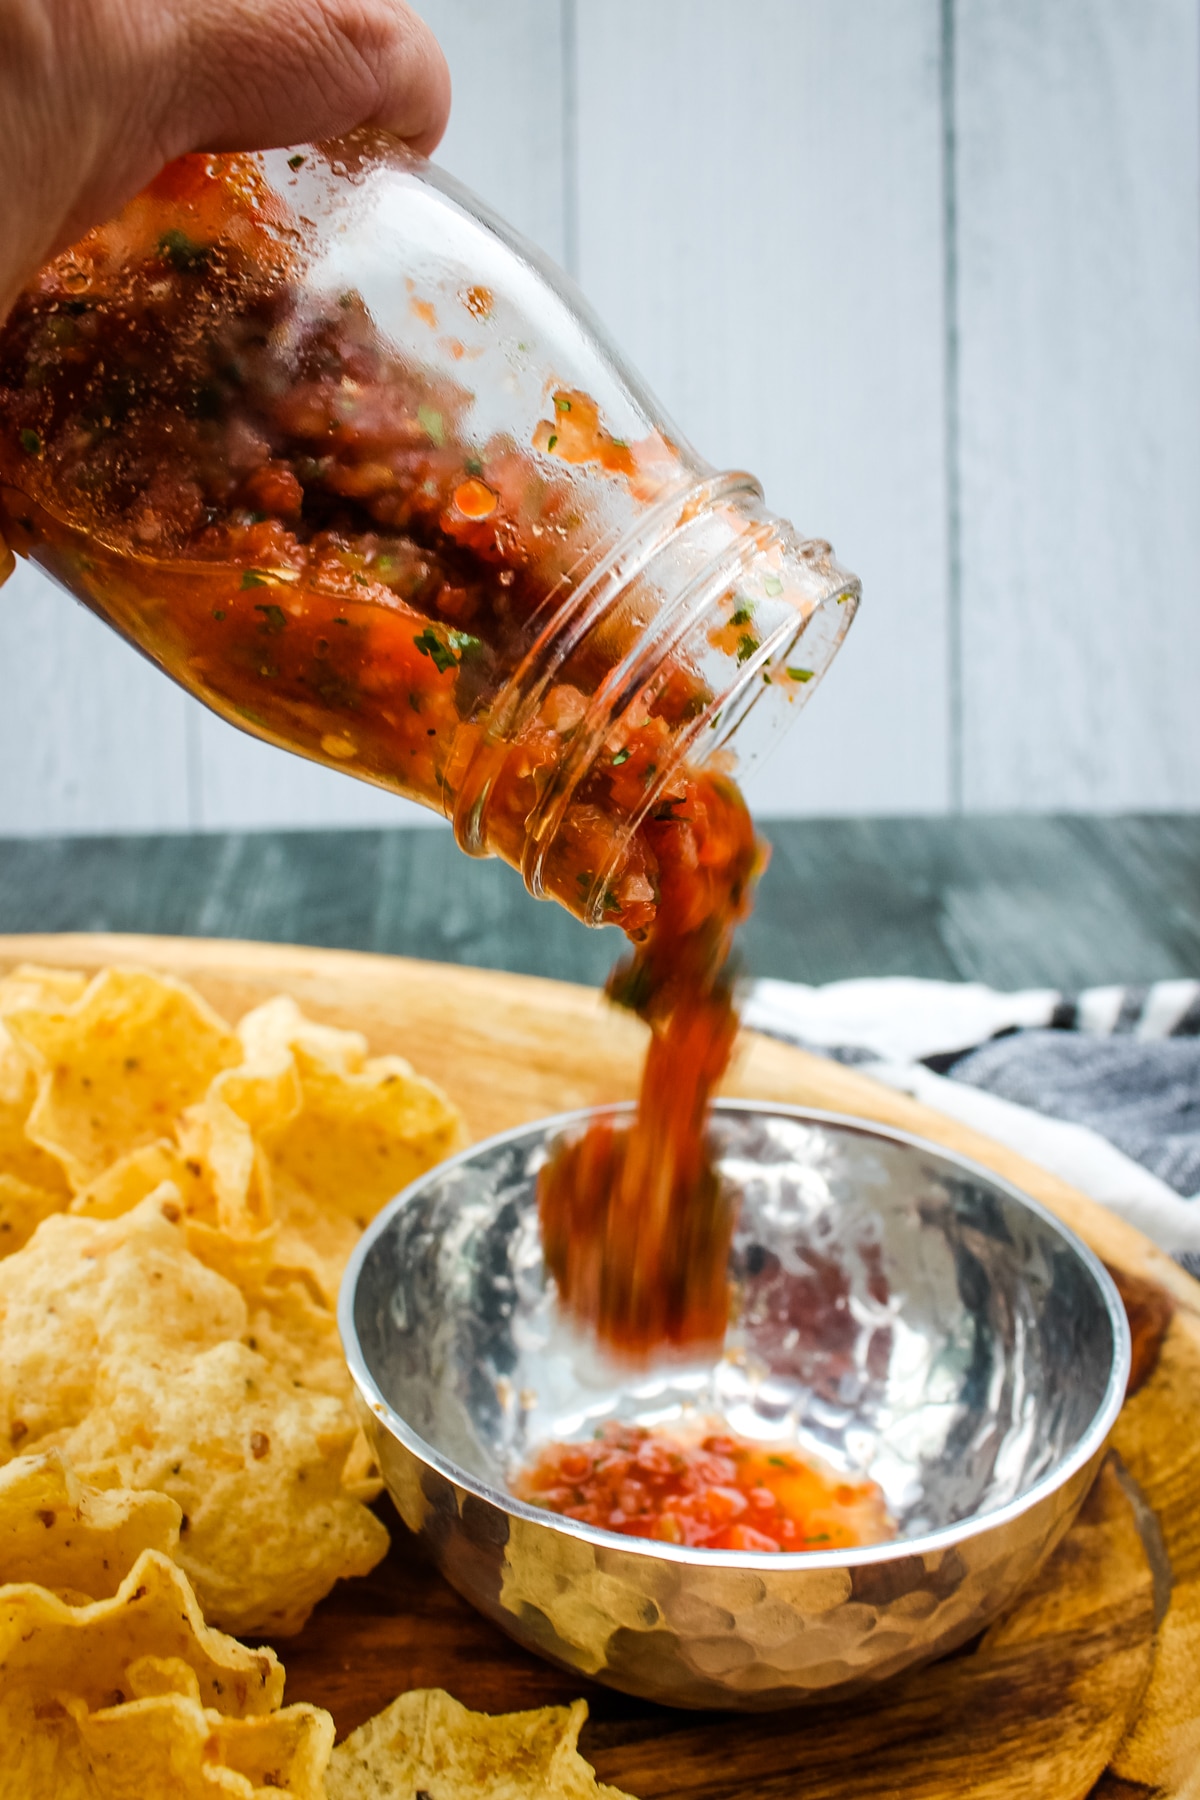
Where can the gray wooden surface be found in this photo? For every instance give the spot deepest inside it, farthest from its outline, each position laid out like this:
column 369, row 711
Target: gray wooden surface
column 931, row 268
column 1013, row 901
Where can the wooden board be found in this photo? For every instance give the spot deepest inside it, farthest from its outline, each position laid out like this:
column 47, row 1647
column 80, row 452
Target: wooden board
column 1087, row 1687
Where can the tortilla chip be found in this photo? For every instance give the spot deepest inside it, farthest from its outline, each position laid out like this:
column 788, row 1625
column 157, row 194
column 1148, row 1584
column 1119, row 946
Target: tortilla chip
column 222, row 1132
column 245, row 1259
column 233, row 1166
column 298, row 1335
column 22, row 1209
column 20, row 1158
column 77, row 1540
column 263, row 1091
column 158, row 1747
column 169, row 1745
column 425, row 1743
column 126, row 1183
column 119, row 1347
column 356, row 1142
column 361, row 1474
column 361, row 1137
column 315, row 1248
column 255, row 1464
column 286, row 1750
column 30, row 985
column 119, row 1065
column 47, row 1646
column 85, row 1293
column 289, row 1750
column 278, row 1027
column 308, row 1133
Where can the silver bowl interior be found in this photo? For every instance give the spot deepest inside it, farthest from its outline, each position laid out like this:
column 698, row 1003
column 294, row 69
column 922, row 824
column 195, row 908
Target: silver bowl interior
column 898, row 1313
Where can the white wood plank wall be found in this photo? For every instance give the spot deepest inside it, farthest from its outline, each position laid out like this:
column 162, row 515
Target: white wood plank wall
column 1078, row 234
column 932, row 270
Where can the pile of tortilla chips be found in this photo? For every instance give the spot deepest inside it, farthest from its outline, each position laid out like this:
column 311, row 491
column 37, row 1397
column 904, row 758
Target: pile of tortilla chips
column 112, row 1687
column 177, row 1452
column 177, row 1202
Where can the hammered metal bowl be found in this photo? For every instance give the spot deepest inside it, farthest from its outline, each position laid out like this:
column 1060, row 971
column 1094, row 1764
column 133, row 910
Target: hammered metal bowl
column 899, row 1312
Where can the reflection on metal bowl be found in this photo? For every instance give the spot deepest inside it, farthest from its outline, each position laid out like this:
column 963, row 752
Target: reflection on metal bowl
column 898, row 1313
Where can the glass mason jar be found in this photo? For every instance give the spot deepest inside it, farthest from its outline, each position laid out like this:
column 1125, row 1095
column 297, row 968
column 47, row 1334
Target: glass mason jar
column 352, row 462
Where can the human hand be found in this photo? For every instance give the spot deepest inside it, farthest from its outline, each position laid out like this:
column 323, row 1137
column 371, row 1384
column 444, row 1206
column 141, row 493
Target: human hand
column 96, row 95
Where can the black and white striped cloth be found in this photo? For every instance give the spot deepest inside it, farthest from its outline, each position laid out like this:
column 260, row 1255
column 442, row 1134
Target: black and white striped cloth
column 1103, row 1085
column 1162, row 1009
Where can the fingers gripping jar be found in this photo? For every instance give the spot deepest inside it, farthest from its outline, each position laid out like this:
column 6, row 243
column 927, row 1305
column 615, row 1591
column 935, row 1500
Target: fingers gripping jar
column 352, row 463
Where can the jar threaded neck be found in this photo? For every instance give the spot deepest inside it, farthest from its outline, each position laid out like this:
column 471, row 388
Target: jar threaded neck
column 711, row 590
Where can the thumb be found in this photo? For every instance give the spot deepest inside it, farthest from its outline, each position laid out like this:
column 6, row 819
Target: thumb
column 96, row 95
column 249, row 74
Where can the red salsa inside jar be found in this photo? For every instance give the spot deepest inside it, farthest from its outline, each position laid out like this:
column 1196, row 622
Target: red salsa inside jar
column 291, row 518
column 710, row 1491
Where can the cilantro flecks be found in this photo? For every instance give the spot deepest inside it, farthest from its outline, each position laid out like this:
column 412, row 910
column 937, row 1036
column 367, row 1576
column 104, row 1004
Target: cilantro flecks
column 747, row 645
column 432, row 424
column 743, row 613
column 274, row 619
column 801, row 674
column 296, row 162
column 622, row 756
column 561, row 403
column 252, row 578
column 184, row 256
column 773, row 586
column 31, row 443
column 446, row 655
column 430, row 644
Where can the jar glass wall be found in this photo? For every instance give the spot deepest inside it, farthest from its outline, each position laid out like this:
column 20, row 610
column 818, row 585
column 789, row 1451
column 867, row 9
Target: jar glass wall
column 350, row 461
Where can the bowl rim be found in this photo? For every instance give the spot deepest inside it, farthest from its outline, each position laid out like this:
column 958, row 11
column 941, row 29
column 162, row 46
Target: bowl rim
column 1088, row 1448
